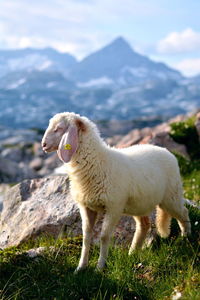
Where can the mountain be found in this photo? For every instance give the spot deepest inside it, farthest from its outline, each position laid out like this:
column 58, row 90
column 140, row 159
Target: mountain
column 114, row 82
column 35, row 59
column 119, row 64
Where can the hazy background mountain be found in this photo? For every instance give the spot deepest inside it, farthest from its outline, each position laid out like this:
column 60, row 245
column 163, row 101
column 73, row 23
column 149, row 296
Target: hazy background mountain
column 113, row 83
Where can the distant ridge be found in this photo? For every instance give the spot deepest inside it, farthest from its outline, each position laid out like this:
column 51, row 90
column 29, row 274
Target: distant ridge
column 116, row 59
column 114, row 82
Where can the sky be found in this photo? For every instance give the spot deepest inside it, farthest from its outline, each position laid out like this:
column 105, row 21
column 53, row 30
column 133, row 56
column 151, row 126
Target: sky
column 165, row 30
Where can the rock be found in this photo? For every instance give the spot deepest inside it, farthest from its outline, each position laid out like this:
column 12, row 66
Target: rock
column 158, row 135
column 163, row 139
column 18, row 136
column 113, row 140
column 36, row 164
column 3, row 189
column 38, row 206
column 45, row 206
column 134, row 137
column 37, row 150
column 15, row 154
column 130, row 139
column 12, row 172
column 52, row 162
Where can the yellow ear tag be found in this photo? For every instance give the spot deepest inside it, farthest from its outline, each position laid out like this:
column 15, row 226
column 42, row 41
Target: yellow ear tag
column 67, row 147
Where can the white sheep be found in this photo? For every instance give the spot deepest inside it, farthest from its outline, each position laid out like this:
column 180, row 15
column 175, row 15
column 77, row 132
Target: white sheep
column 130, row 181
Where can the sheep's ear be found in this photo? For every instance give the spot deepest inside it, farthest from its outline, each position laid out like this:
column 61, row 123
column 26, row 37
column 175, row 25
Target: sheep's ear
column 68, row 144
column 81, row 125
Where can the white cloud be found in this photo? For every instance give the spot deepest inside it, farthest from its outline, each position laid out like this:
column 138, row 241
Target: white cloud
column 76, row 26
column 54, row 23
column 189, row 67
column 180, row 42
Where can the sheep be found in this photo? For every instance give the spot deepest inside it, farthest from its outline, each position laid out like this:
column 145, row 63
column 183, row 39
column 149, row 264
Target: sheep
column 132, row 181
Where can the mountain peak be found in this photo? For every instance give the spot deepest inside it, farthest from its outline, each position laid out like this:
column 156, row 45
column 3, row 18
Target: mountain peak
column 120, row 43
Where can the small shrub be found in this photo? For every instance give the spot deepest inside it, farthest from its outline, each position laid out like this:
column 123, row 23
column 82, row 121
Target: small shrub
column 186, row 133
column 187, row 166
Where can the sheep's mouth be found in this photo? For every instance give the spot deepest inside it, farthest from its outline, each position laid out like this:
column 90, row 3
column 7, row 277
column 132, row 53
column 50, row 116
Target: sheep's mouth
column 47, row 149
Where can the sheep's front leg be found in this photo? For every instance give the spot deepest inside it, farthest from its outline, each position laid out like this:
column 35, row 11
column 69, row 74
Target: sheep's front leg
column 109, row 223
column 88, row 220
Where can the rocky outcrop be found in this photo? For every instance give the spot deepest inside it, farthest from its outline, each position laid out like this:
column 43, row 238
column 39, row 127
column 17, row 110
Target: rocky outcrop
column 158, row 135
column 44, row 206
column 11, row 171
column 38, row 206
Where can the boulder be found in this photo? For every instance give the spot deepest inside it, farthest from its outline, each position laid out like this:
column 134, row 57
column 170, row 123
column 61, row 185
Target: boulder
column 134, row 137
column 3, row 190
column 38, row 206
column 12, row 172
column 36, row 164
column 44, row 205
column 163, row 139
column 158, row 135
column 37, row 149
column 14, row 153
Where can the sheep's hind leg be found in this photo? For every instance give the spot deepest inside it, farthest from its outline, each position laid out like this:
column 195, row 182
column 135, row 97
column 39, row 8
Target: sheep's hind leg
column 109, row 223
column 182, row 217
column 88, row 220
column 142, row 227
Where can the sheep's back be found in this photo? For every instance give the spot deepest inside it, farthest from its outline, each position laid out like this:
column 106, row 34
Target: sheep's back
column 149, row 174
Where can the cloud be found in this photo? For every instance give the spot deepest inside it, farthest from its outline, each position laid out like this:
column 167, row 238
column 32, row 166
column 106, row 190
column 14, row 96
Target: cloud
column 55, row 23
column 189, row 67
column 76, row 26
column 180, row 42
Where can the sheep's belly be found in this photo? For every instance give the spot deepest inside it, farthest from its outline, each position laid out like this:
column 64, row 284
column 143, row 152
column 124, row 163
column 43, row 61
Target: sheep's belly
column 139, row 208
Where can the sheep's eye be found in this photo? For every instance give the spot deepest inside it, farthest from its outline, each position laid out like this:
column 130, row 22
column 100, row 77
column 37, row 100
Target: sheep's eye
column 57, row 129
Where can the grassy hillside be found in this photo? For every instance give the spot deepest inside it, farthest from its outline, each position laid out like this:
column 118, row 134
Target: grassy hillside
column 168, row 269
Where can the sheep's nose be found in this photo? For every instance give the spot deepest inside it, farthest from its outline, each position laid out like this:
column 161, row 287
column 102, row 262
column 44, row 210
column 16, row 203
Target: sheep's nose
column 44, row 145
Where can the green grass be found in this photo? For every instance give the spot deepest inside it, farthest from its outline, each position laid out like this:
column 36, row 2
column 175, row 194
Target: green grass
column 185, row 133
column 152, row 273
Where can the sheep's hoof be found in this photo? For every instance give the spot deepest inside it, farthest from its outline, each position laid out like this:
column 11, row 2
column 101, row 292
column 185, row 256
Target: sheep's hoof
column 130, row 252
column 100, row 268
column 79, row 269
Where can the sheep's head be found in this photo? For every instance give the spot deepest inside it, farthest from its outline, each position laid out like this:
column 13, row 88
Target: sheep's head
column 62, row 135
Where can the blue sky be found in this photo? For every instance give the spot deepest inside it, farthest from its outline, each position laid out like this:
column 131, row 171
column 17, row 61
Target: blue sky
column 167, row 31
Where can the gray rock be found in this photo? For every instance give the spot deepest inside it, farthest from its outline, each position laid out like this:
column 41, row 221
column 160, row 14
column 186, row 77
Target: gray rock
column 38, row 206
column 12, row 172
column 36, row 164
column 18, row 136
column 3, row 189
column 45, row 206
column 163, row 139
column 15, row 154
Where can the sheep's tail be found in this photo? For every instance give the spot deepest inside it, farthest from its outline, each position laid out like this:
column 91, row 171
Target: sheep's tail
column 163, row 222
column 191, row 203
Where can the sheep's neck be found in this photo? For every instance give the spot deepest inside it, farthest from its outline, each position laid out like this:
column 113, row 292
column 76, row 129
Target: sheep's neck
column 88, row 165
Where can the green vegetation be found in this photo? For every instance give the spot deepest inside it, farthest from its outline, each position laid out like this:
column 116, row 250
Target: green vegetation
column 153, row 273
column 168, row 267
column 185, row 133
